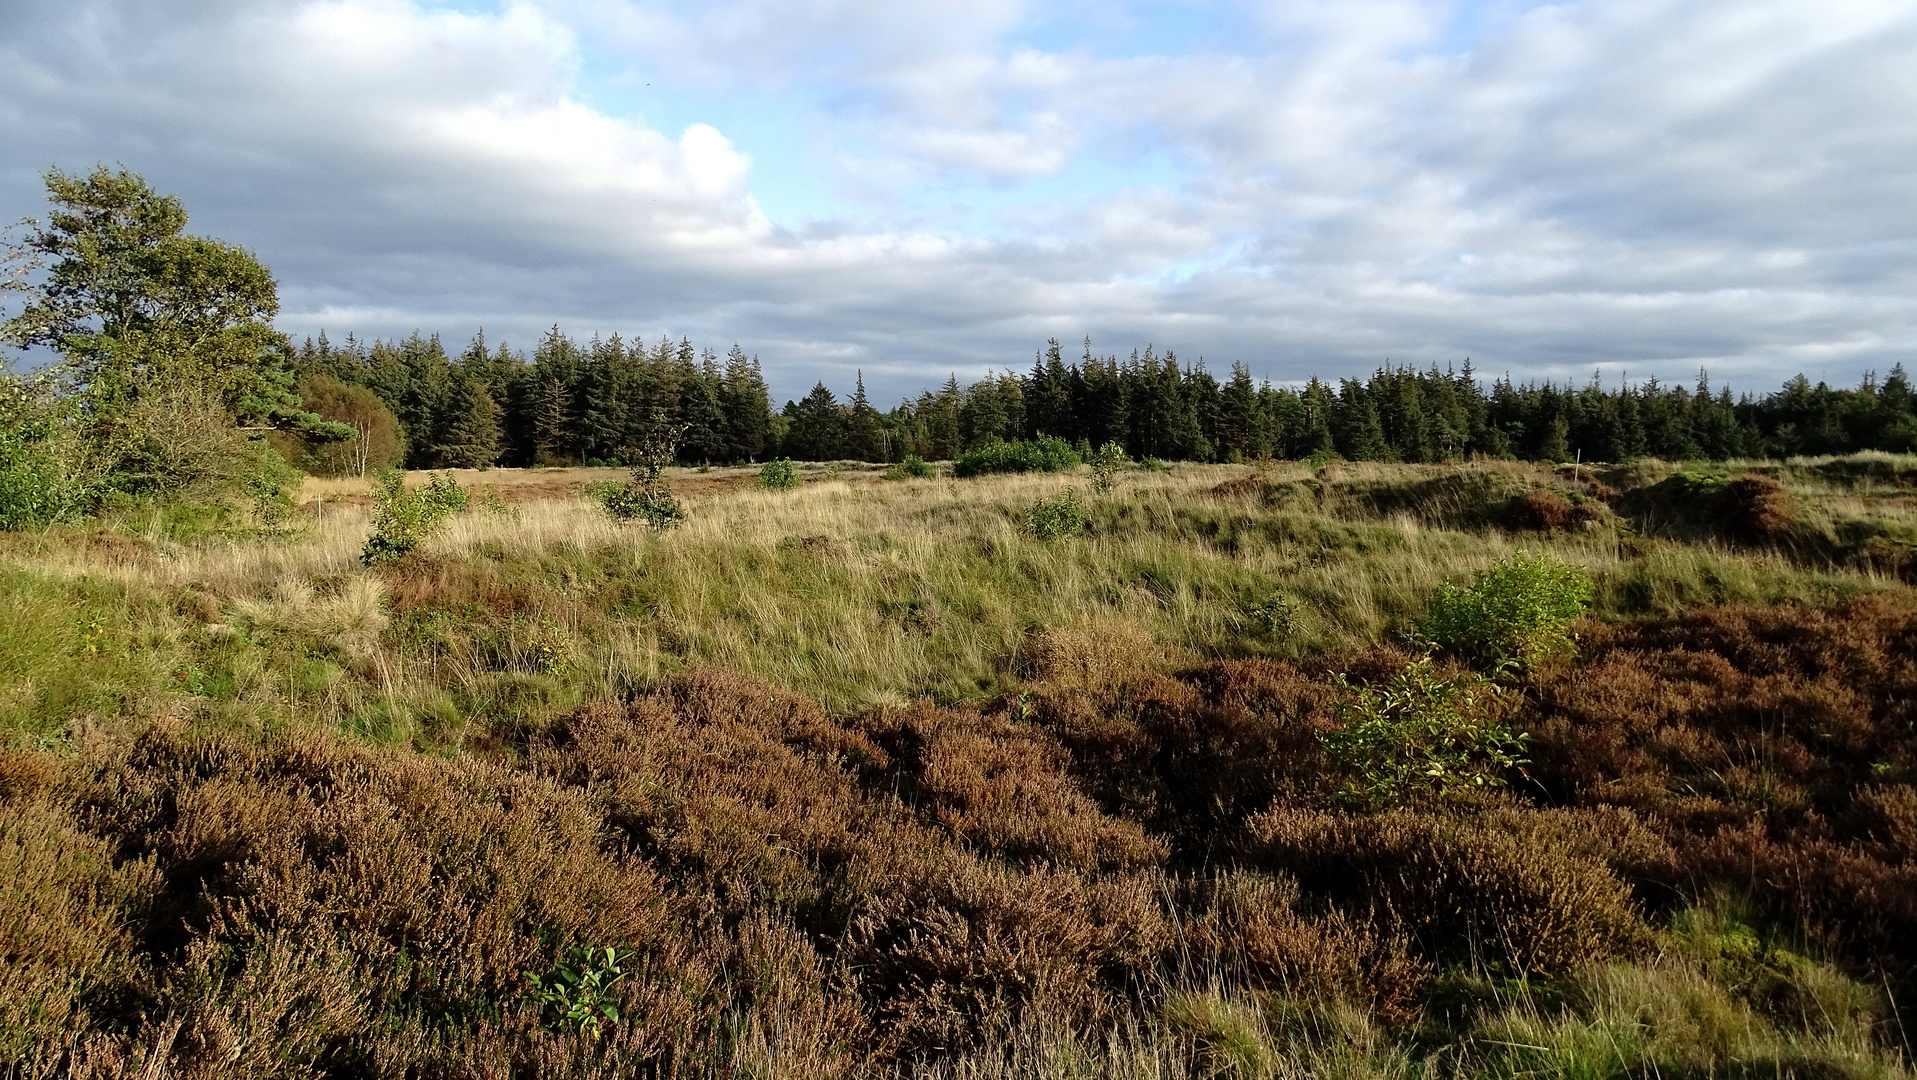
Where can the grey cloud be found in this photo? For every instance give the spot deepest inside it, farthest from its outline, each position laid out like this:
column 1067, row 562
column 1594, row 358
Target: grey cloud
column 1628, row 186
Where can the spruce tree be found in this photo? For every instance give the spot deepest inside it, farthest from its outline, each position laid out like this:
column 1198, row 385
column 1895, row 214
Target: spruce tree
column 866, row 436
column 552, row 424
column 702, row 418
column 748, row 407
column 472, row 435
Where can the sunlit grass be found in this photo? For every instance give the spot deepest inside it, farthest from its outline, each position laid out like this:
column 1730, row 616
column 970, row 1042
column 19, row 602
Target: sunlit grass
column 852, row 590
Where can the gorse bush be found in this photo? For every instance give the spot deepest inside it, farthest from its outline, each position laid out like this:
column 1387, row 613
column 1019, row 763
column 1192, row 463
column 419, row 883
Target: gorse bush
column 913, row 467
column 1043, row 454
column 1518, row 611
column 402, row 519
column 1058, row 517
column 1423, row 734
column 779, row 474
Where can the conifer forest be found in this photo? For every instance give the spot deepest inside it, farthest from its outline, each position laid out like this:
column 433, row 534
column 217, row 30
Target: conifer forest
column 380, row 709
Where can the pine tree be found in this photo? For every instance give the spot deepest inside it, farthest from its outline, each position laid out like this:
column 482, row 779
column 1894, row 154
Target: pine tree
column 607, row 392
column 748, row 407
column 866, row 438
column 472, row 435
column 818, row 429
column 701, row 416
column 942, row 420
column 552, row 425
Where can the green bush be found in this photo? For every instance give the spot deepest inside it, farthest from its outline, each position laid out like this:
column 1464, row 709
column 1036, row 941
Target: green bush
column 33, row 493
column 1422, row 735
column 656, row 506
column 402, row 520
column 1105, row 466
column 37, row 486
column 645, row 496
column 577, row 993
column 1518, row 611
column 1060, row 516
column 913, row 466
column 779, row 475
column 1043, row 454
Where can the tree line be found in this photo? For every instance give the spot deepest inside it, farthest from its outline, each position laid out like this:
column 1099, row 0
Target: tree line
column 572, row 403
column 172, row 384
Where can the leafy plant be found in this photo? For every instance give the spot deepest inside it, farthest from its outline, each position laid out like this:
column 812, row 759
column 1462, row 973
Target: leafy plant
column 38, row 483
column 402, row 520
column 1105, row 464
column 577, row 992
column 1423, row 734
column 656, row 506
column 1044, row 454
column 1060, row 516
column 779, row 475
column 645, row 497
column 1275, row 615
column 1517, row 611
column 913, row 466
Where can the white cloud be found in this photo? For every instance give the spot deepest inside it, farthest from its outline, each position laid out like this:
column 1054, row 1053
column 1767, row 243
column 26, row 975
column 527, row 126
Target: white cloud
column 1631, row 183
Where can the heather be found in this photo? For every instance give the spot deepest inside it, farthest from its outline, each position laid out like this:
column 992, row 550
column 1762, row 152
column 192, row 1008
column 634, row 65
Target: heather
column 864, row 777
column 1033, row 762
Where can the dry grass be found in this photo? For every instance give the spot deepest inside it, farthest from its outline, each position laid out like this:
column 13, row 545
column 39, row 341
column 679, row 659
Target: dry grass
column 875, row 784
column 859, row 591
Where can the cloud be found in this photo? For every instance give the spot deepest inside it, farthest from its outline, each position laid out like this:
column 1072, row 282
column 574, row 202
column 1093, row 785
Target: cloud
column 1309, row 186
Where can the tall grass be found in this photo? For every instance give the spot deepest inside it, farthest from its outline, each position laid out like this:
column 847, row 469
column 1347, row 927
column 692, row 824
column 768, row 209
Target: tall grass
column 854, row 591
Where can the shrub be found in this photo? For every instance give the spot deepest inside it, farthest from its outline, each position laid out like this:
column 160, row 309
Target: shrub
column 1423, row 735
column 1541, row 510
column 1521, row 890
column 577, row 992
column 1043, row 454
column 779, row 475
column 1759, row 508
column 402, row 520
column 1518, row 611
column 1060, row 516
column 645, row 497
column 37, row 488
column 1105, row 466
column 913, row 466
column 656, row 505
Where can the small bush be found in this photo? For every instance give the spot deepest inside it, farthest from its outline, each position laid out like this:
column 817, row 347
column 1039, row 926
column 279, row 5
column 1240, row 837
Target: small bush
column 645, row 497
column 1759, row 508
column 1058, row 517
column 1106, row 464
column 1423, row 735
column 1541, row 510
column 779, row 475
column 1043, row 454
column 656, row 506
column 577, row 993
column 914, row 467
column 403, row 519
column 1518, row 611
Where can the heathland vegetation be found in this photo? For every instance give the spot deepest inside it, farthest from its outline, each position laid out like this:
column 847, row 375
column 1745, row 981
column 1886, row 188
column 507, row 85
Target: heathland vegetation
column 1082, row 764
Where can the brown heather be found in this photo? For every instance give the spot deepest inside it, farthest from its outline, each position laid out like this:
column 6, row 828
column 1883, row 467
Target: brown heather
column 1124, row 855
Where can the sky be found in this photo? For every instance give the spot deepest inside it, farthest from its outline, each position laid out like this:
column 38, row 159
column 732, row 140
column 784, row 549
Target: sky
column 1625, row 188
